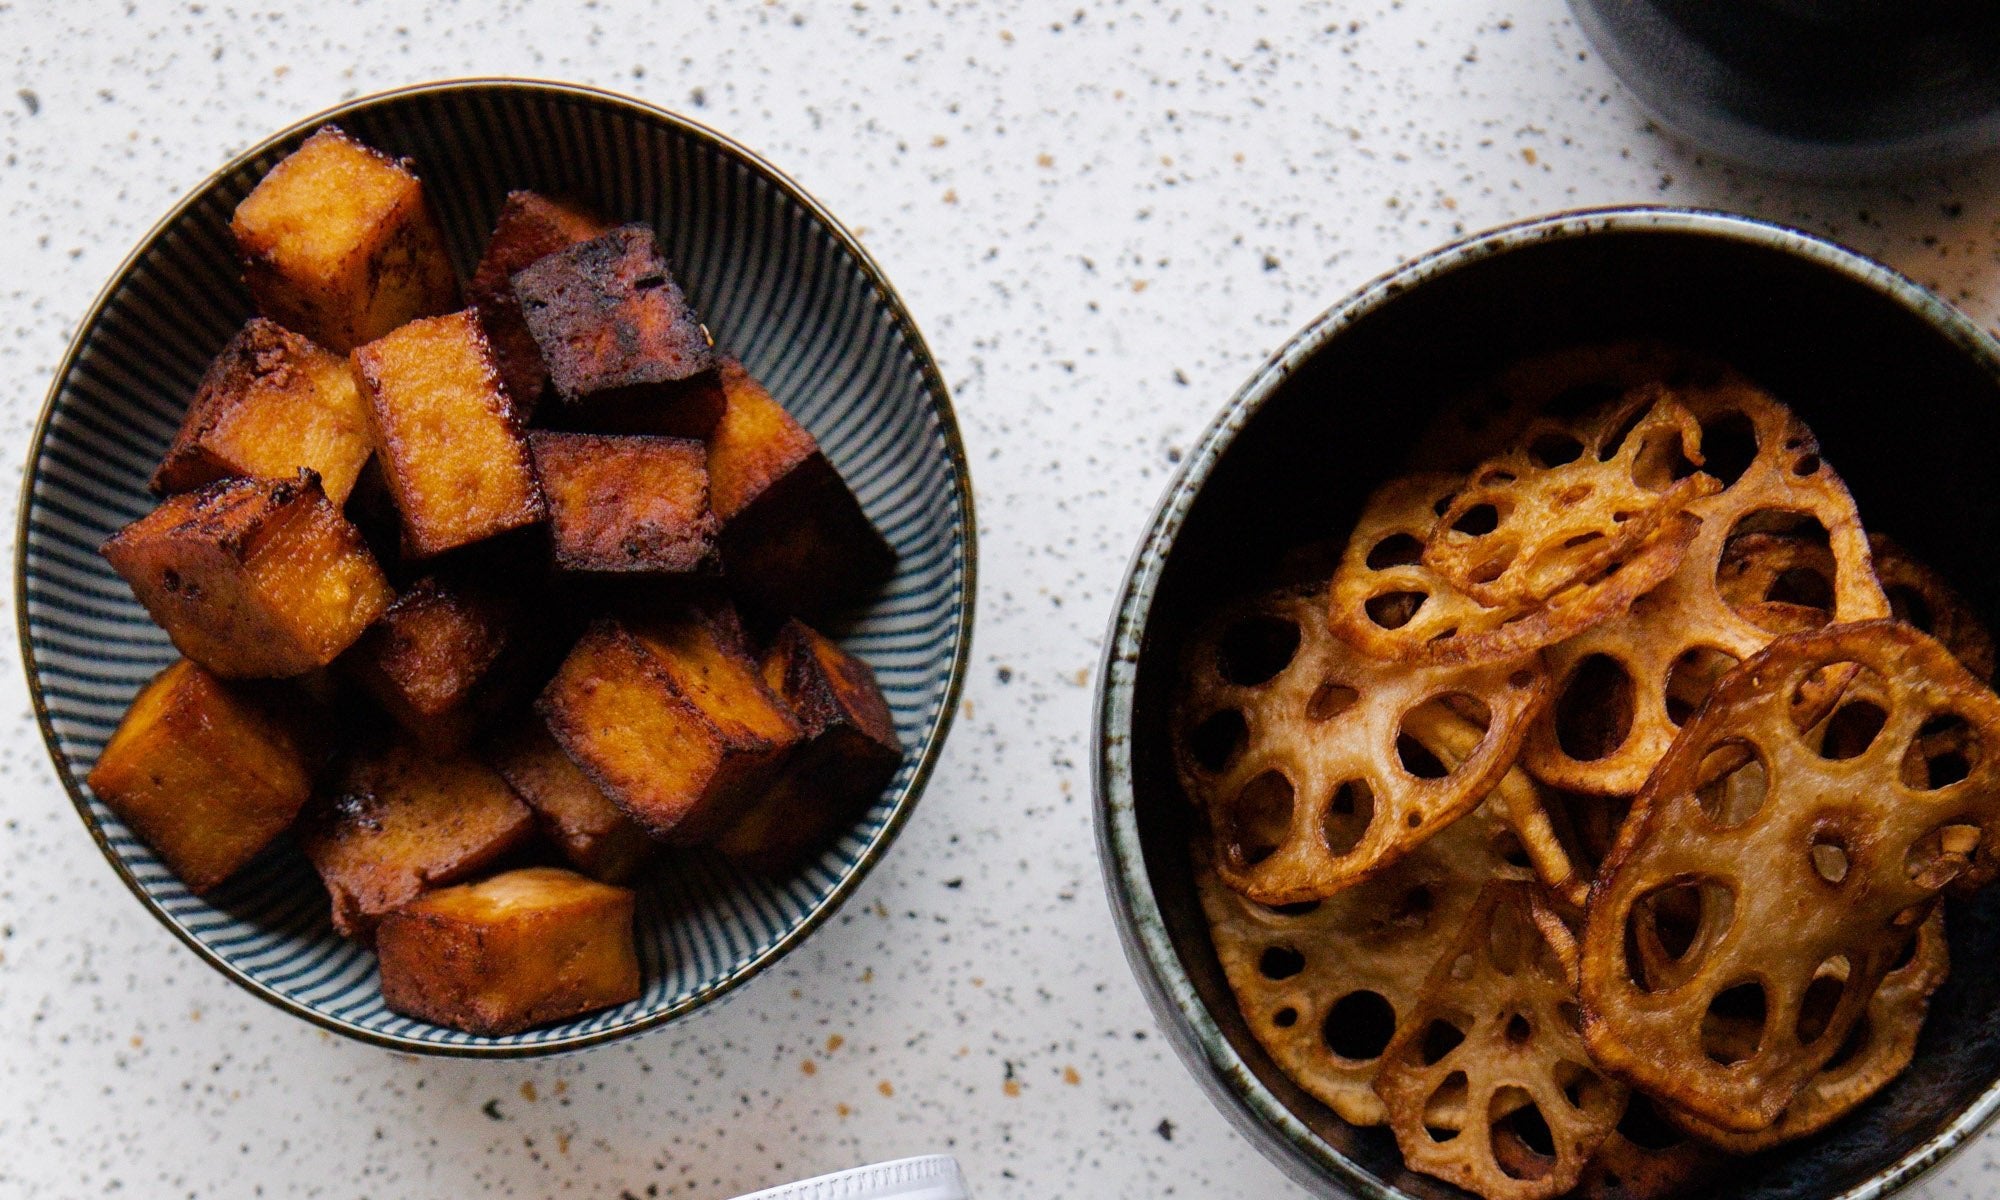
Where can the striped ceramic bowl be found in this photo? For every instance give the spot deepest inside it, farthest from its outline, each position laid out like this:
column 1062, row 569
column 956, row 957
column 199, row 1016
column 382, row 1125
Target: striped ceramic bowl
column 781, row 283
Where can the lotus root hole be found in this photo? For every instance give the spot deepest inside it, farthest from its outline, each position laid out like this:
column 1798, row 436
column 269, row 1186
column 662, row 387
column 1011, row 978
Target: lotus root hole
column 1733, row 1027
column 1829, row 857
column 1822, row 999
column 1254, row 650
column 1943, row 854
column 1581, row 1086
column 1728, row 446
column 1413, row 908
column 1520, row 679
column 1329, row 700
column 1911, row 607
column 1285, row 1018
column 1519, row 1030
column 1523, row 1146
column 1259, row 820
column 1393, row 610
column 1731, row 784
column 1217, row 741
column 1690, row 679
column 1418, row 760
column 1944, row 752
column 1302, row 908
column 1349, row 813
column 1669, row 930
column 1852, row 729
column 1593, row 715
column 1359, row 1025
column 1280, row 962
column 1440, row 1038
column 1554, row 449
column 1444, row 1111
column 1807, row 464
column 1478, row 520
column 1396, row 550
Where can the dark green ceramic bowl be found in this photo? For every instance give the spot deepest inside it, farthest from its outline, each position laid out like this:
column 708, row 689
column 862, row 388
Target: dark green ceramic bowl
column 1904, row 392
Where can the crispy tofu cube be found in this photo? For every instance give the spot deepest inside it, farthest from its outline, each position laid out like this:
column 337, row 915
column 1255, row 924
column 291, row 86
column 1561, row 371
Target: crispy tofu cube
column 339, row 244
column 794, row 538
column 205, row 772
column 399, row 821
column 618, row 337
column 455, row 460
column 850, row 752
column 530, row 227
column 444, row 658
column 270, row 403
column 591, row 831
column 526, row 948
column 253, row 577
column 672, row 722
column 624, row 504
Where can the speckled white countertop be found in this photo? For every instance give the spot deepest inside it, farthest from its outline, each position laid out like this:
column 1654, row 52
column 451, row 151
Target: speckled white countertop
column 1104, row 214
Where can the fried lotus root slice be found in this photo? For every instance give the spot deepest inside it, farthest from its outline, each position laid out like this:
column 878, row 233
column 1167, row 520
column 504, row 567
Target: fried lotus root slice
column 1485, row 420
column 1571, row 500
column 1920, row 596
column 1646, row 1157
column 1532, row 838
column 1386, row 603
column 1755, row 868
column 1660, row 656
column 1318, row 766
column 1877, row 1049
column 1487, row 1083
column 1324, row 985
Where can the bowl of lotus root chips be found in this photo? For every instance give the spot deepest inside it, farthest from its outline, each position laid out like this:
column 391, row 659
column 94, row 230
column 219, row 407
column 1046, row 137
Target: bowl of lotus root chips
column 1549, row 738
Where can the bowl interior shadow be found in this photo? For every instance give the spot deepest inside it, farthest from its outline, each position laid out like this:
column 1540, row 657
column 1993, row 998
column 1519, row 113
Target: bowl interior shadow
column 1906, row 416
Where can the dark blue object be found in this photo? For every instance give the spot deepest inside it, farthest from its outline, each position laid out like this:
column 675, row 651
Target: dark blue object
column 1827, row 88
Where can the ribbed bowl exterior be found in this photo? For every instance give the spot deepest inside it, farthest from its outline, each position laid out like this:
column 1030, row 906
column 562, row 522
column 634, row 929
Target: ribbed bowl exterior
column 780, row 283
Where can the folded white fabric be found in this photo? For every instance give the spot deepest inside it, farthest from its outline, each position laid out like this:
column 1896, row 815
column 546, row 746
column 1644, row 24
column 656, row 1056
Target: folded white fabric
column 931, row 1177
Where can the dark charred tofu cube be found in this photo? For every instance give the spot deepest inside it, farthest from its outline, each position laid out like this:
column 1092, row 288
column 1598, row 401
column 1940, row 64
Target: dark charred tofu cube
column 399, row 821
column 591, row 831
column 624, row 350
column 848, row 755
column 625, row 504
column 253, row 577
column 205, row 772
column 794, row 538
column 338, row 244
column 270, row 403
column 455, row 461
column 531, row 226
column 525, row 948
column 672, row 722
column 445, row 657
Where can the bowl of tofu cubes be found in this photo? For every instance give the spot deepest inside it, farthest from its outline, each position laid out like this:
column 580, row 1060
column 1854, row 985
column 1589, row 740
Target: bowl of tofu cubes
column 495, row 567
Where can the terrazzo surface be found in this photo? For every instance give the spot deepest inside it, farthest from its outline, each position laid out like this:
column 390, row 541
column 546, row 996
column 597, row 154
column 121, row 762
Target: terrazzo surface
column 1103, row 216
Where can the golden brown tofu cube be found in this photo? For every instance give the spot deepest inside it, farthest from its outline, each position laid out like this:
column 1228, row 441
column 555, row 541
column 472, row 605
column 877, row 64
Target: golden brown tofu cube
column 532, row 946
column 205, row 772
column 445, row 657
column 530, row 227
column 794, row 538
column 253, row 577
column 270, row 403
column 579, row 818
column 621, row 504
column 399, row 821
column 455, row 461
column 339, row 244
column 672, row 723
column 849, row 753
column 619, row 338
